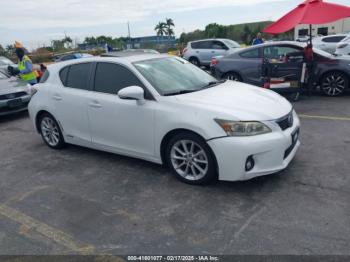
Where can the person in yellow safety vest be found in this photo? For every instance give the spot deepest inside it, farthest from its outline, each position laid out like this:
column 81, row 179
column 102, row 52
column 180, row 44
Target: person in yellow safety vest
column 25, row 67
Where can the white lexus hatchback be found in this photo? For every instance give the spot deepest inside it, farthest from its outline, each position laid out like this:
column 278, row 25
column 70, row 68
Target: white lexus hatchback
column 164, row 109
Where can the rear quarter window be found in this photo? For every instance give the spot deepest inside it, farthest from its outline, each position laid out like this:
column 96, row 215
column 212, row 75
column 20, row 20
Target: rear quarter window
column 333, row 39
column 63, row 75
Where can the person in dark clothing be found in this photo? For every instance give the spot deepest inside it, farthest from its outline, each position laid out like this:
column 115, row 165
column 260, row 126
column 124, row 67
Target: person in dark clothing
column 309, row 58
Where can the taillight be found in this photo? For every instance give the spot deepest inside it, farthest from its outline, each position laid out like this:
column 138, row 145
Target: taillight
column 342, row 45
column 214, row 61
column 184, row 51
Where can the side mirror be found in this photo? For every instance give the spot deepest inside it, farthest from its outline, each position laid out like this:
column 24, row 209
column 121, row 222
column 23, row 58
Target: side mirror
column 132, row 92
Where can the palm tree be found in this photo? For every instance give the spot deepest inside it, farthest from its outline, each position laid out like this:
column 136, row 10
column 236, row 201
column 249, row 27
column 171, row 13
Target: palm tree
column 161, row 28
column 169, row 23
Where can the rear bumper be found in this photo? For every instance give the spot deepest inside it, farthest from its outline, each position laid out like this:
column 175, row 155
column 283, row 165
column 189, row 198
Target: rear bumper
column 271, row 153
column 7, row 110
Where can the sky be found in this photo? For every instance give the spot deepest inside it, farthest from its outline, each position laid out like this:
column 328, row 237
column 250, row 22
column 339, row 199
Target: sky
column 37, row 22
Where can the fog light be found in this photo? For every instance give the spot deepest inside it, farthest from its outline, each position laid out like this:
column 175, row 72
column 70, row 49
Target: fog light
column 249, row 164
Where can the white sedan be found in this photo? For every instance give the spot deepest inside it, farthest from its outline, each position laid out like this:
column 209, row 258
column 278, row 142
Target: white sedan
column 343, row 47
column 165, row 110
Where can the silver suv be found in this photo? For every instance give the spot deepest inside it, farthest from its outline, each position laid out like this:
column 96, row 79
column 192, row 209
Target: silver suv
column 201, row 52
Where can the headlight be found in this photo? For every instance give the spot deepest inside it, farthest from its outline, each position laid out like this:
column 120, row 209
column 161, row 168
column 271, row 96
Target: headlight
column 238, row 128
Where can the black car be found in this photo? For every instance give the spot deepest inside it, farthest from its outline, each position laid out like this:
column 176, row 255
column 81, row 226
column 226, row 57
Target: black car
column 331, row 73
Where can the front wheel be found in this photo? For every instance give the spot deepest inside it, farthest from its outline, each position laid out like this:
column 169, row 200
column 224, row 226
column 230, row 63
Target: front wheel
column 190, row 159
column 51, row 132
column 334, row 83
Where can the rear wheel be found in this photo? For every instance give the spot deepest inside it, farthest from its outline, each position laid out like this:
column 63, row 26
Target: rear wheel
column 334, row 83
column 195, row 61
column 51, row 132
column 233, row 76
column 190, row 159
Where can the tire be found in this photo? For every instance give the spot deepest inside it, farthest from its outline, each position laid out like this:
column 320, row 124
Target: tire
column 233, row 76
column 195, row 61
column 50, row 131
column 190, row 159
column 334, row 83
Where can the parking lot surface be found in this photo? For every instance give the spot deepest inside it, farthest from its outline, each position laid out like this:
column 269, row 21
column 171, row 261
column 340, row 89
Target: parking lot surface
column 82, row 201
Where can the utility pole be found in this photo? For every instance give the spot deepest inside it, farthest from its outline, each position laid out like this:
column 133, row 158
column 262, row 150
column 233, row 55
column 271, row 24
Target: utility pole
column 128, row 30
column 129, row 37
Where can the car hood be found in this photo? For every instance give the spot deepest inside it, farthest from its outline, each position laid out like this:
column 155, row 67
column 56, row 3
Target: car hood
column 12, row 85
column 240, row 101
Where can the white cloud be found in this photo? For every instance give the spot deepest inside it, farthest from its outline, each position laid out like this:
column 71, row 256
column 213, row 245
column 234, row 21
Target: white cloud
column 28, row 14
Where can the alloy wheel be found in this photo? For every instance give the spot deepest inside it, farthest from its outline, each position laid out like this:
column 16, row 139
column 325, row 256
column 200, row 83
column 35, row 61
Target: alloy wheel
column 50, row 131
column 334, row 84
column 189, row 160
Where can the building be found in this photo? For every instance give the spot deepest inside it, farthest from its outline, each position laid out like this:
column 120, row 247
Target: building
column 87, row 47
column 154, row 42
column 340, row 26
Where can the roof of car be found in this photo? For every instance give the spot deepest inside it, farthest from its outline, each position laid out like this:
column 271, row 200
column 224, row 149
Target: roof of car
column 127, row 53
column 210, row 39
column 127, row 59
column 274, row 43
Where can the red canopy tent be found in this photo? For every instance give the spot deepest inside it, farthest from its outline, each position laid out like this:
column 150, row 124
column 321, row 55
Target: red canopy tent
column 310, row 12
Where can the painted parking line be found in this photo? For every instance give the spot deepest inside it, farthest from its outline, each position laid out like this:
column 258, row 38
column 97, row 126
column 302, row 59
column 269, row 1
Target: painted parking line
column 325, row 117
column 51, row 233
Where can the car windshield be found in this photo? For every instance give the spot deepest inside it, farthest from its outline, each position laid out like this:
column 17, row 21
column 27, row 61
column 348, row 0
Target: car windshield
column 231, row 43
column 171, row 76
column 4, row 61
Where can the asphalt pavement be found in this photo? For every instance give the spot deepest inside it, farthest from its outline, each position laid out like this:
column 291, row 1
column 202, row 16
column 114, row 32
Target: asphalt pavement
column 82, row 201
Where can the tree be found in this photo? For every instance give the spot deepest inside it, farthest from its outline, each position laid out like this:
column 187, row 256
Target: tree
column 161, row 28
column 2, row 51
column 169, row 24
column 57, row 45
column 10, row 50
column 67, row 41
column 90, row 40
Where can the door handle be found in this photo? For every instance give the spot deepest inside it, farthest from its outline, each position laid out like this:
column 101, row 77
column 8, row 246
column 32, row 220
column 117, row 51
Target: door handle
column 57, row 97
column 95, row 104
column 213, row 52
column 197, row 52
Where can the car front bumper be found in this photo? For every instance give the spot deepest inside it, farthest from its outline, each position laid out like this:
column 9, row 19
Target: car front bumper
column 271, row 153
column 6, row 109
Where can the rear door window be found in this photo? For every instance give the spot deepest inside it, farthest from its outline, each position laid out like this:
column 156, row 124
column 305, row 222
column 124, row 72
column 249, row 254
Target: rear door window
column 276, row 52
column 110, row 78
column 202, row 45
column 254, row 53
column 78, row 76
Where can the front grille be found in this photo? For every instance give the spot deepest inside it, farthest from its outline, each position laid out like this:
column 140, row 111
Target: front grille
column 286, row 121
column 12, row 96
column 9, row 109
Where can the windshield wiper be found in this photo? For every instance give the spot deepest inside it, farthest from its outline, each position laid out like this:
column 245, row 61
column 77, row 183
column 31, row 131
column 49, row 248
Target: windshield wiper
column 181, row 92
column 214, row 83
